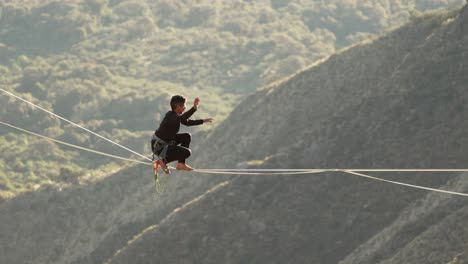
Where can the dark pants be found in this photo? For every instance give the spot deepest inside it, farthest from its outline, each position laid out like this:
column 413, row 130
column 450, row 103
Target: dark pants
column 180, row 153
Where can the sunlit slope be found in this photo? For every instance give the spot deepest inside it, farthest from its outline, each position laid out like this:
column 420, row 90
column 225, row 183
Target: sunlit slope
column 396, row 102
column 113, row 65
column 88, row 224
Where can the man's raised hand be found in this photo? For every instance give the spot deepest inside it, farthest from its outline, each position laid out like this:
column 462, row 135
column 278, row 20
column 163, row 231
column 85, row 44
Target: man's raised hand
column 196, row 102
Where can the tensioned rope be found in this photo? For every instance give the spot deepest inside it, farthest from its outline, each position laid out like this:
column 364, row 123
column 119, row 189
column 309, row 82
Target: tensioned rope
column 73, row 146
column 254, row 172
column 272, row 172
column 248, row 171
column 337, row 170
column 405, row 184
column 265, row 172
column 68, row 121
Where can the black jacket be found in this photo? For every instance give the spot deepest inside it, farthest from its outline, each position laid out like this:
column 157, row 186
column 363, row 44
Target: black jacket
column 170, row 125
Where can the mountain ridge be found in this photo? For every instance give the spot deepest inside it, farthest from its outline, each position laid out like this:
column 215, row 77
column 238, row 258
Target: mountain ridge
column 339, row 113
column 407, row 115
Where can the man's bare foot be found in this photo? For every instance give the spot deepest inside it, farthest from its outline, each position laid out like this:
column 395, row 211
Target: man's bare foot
column 183, row 166
column 164, row 167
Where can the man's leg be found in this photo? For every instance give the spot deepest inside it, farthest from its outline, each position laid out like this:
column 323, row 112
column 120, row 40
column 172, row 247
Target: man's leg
column 178, row 153
column 183, row 139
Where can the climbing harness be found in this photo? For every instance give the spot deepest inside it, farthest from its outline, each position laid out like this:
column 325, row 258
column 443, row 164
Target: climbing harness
column 159, row 148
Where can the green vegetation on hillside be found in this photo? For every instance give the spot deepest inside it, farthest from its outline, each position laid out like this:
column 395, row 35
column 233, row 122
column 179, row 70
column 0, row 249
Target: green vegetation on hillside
column 112, row 65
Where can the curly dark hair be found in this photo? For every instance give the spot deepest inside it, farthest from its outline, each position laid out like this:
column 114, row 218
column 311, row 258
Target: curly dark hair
column 177, row 100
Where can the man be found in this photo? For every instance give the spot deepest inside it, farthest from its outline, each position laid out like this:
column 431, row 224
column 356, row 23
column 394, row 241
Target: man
column 167, row 143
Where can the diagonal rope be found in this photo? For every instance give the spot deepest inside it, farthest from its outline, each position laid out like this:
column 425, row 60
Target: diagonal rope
column 406, row 170
column 257, row 172
column 243, row 171
column 405, row 184
column 75, row 124
column 73, row 146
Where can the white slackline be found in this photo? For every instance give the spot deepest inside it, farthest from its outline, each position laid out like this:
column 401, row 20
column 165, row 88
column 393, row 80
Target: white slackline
column 243, row 171
column 68, row 121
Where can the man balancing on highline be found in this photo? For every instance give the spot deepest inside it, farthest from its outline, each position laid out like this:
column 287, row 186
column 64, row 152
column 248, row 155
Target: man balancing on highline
column 167, row 143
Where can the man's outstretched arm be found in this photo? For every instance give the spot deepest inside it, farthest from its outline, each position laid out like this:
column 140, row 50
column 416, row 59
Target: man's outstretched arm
column 188, row 122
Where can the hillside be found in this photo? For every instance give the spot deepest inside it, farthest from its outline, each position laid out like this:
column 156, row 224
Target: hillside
column 111, row 65
column 429, row 231
column 395, row 102
column 87, row 224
